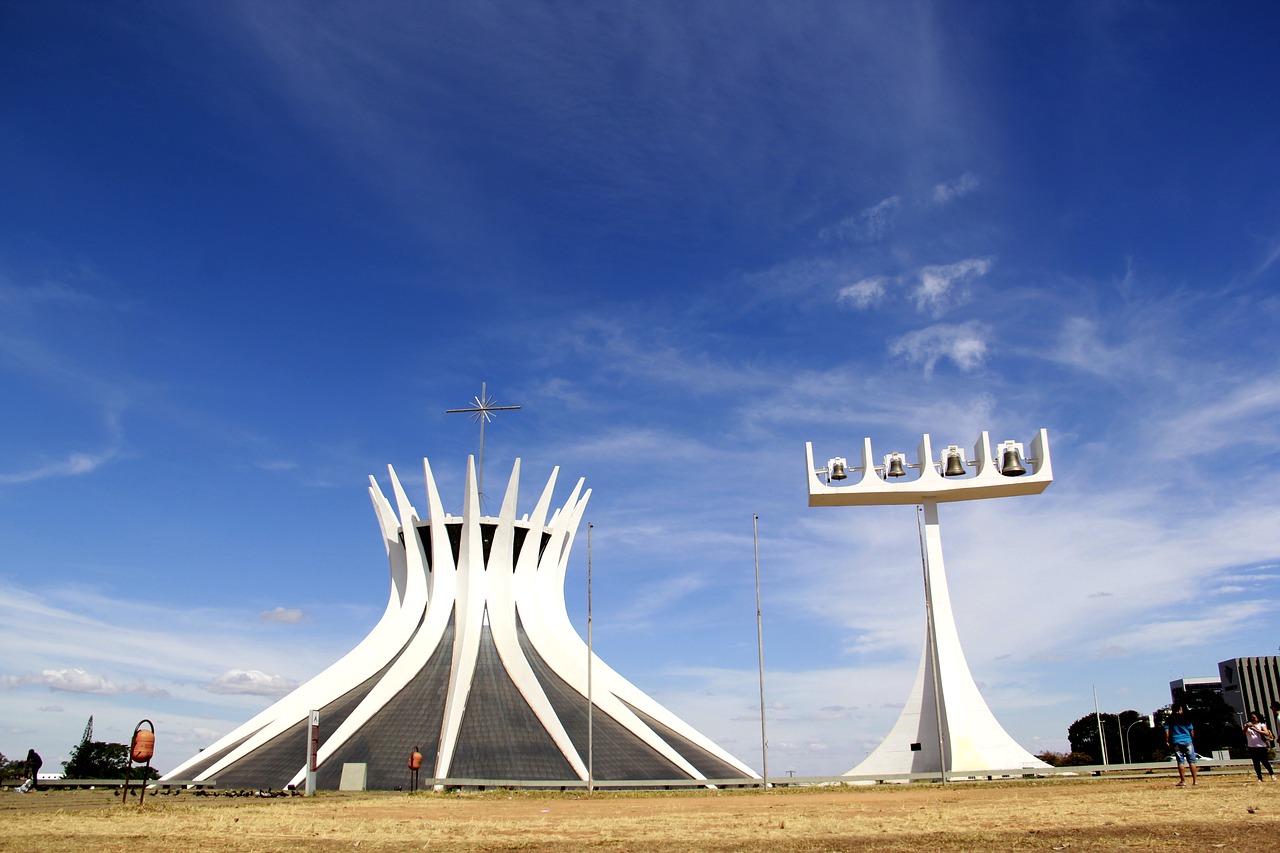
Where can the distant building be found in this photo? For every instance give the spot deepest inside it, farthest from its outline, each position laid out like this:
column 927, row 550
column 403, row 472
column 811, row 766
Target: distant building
column 1195, row 692
column 1251, row 684
column 1200, row 696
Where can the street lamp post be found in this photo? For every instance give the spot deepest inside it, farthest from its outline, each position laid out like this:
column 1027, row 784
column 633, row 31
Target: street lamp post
column 1151, row 721
column 1102, row 737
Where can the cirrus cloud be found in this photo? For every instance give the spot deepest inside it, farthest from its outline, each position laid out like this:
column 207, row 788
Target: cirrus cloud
column 948, row 191
column 941, row 287
column 864, row 294
column 869, row 226
column 964, row 344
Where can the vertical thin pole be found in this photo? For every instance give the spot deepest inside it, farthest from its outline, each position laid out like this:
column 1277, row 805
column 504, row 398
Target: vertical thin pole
column 932, row 640
column 480, row 463
column 1097, row 716
column 764, row 740
column 591, row 708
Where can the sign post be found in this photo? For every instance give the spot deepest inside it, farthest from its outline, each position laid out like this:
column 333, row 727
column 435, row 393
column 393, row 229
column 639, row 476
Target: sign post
column 313, row 747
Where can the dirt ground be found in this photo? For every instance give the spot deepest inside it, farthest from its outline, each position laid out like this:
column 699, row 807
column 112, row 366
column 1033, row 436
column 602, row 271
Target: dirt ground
column 1225, row 813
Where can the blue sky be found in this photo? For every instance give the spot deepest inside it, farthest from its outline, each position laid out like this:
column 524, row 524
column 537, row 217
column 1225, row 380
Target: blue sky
column 250, row 253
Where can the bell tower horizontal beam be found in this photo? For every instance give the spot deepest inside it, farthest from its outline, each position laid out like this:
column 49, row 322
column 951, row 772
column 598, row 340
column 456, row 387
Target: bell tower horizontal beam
column 875, row 485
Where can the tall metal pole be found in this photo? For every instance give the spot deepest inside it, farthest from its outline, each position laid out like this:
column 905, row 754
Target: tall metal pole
column 1097, row 716
column 480, row 459
column 932, row 639
column 764, row 739
column 591, row 708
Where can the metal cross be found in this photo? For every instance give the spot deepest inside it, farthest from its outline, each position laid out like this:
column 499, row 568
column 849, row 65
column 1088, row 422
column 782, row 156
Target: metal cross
column 481, row 412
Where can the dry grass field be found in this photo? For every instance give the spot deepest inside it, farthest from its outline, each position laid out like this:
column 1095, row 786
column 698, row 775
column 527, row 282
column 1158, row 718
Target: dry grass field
column 1222, row 813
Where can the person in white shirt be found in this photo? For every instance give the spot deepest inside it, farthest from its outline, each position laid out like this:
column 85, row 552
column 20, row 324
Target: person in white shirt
column 1258, row 739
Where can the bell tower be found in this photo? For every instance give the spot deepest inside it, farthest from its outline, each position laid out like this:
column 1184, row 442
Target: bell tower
column 946, row 726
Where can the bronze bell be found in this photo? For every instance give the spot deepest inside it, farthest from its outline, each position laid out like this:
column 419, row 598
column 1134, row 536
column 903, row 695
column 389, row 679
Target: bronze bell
column 955, row 468
column 895, row 467
column 838, row 471
column 1011, row 466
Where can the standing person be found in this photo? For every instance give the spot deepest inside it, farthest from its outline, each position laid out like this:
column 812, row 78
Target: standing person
column 34, row 763
column 30, row 768
column 1178, row 733
column 1259, row 739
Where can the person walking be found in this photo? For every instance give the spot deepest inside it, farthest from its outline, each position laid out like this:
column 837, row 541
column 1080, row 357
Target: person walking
column 1178, row 735
column 1258, row 739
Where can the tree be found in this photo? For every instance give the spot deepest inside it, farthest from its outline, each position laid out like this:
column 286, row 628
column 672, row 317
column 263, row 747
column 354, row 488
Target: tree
column 1083, row 736
column 1062, row 759
column 97, row 759
column 1143, row 742
column 9, row 769
column 1127, row 736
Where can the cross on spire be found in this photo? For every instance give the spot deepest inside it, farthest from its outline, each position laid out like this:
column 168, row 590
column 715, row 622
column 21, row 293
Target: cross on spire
column 481, row 411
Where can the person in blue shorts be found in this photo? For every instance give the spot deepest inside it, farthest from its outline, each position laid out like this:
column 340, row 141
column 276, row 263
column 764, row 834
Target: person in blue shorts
column 1178, row 733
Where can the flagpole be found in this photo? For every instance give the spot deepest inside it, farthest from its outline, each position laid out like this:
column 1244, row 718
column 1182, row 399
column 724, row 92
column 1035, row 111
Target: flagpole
column 590, row 703
column 764, row 739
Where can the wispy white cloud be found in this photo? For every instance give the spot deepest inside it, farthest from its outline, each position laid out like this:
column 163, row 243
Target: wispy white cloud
column 657, row 598
column 870, row 225
column 74, row 465
column 176, row 645
column 799, row 280
column 1246, row 415
column 1270, row 255
column 1080, row 345
column 142, row 688
column 964, row 344
column 14, row 297
column 934, row 290
column 864, row 294
column 939, row 288
column 282, row 615
column 605, row 116
column 949, row 191
column 1200, row 628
